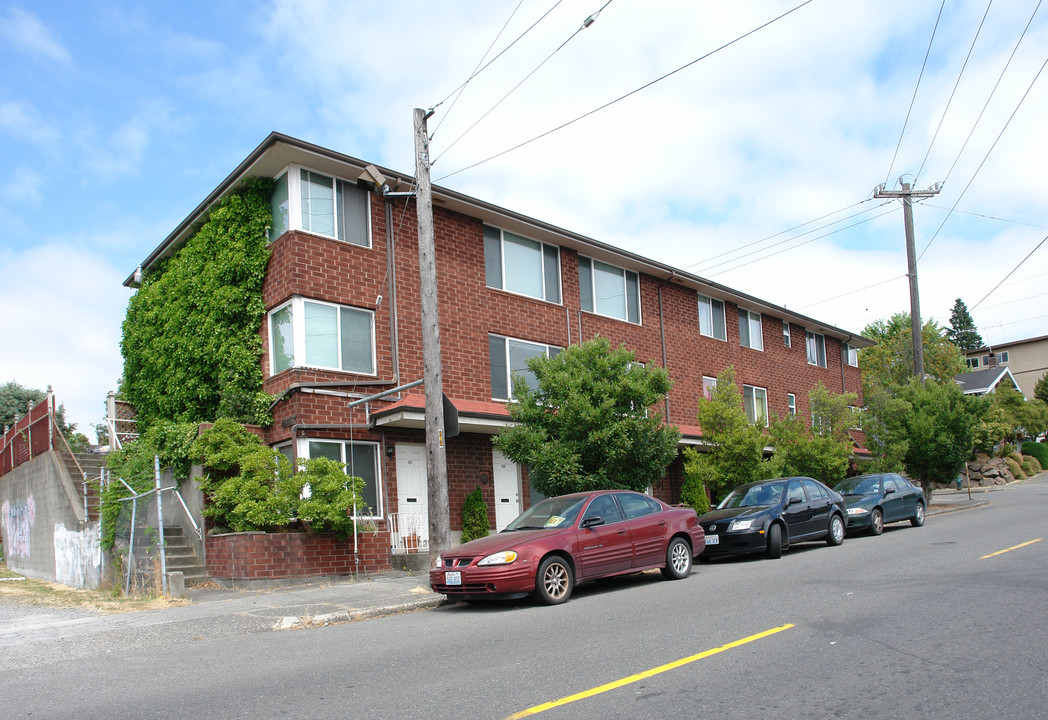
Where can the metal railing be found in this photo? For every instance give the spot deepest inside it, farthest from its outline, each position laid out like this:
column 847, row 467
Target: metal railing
column 409, row 532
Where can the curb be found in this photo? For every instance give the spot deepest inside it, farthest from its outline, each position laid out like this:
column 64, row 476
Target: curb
column 293, row 622
column 950, row 508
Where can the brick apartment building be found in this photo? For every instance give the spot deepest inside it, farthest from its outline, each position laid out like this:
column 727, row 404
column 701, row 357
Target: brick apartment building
column 343, row 322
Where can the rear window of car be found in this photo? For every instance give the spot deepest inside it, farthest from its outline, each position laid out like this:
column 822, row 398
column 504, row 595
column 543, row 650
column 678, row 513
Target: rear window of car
column 636, row 506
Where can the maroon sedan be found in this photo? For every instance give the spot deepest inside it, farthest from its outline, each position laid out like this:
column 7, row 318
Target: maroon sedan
column 569, row 539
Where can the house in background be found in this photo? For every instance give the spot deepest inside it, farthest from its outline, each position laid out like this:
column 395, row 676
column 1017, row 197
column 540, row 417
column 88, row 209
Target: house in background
column 1026, row 359
column 343, row 322
column 983, row 382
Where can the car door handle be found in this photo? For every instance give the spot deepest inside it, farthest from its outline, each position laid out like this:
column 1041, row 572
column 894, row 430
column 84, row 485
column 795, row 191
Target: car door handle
column 622, row 532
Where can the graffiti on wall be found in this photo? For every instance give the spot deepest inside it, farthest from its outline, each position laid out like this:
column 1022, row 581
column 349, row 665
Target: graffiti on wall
column 78, row 556
column 17, row 519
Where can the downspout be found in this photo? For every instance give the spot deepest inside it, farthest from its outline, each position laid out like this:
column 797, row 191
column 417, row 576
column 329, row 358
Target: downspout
column 391, row 269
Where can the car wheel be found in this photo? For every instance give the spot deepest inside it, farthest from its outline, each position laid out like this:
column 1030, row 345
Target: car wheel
column 836, row 534
column 876, row 522
column 678, row 560
column 918, row 517
column 554, row 581
column 774, row 550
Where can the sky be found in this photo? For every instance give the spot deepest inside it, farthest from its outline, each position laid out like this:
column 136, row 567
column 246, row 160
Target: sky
column 752, row 162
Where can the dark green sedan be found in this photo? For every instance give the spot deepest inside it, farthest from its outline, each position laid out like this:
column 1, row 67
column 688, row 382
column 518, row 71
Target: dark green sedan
column 880, row 498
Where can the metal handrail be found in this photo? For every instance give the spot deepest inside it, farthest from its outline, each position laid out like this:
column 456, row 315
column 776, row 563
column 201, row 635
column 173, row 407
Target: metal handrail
column 196, row 528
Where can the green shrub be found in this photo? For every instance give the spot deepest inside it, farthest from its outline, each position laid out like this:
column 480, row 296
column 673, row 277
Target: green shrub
column 1028, row 468
column 1034, row 463
column 1005, row 450
column 1014, row 467
column 693, row 494
column 1037, row 450
column 474, row 517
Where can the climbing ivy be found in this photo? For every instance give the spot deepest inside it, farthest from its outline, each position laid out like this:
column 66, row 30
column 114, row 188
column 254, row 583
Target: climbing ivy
column 190, row 341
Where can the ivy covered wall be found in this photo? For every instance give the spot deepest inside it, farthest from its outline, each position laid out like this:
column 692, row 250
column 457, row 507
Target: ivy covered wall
column 191, row 342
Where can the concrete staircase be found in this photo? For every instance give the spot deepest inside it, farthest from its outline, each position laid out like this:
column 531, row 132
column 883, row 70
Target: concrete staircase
column 91, row 464
column 180, row 556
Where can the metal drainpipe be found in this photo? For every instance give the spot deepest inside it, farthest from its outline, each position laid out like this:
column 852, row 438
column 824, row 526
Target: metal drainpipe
column 391, row 266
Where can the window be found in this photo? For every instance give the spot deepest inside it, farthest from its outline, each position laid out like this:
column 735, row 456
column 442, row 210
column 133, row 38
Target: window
column 520, row 265
column 853, row 355
column 791, row 403
column 814, row 490
column 635, row 506
column 755, row 400
column 309, row 333
column 608, row 290
column 708, row 383
column 604, row 507
column 711, row 317
column 986, row 361
column 786, row 333
column 794, row 490
column 750, row 330
column 816, row 344
column 508, row 357
column 1002, row 357
column 361, row 460
column 307, row 200
column 973, row 362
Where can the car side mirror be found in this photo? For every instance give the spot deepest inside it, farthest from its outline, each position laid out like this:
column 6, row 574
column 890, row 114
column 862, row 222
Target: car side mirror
column 592, row 521
column 889, row 491
column 793, row 501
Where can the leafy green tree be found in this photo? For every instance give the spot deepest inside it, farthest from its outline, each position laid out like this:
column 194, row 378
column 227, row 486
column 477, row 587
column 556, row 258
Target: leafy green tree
column 821, row 450
column 475, row 517
column 190, row 341
column 14, row 402
column 962, row 332
column 1022, row 418
column 734, row 452
column 1040, row 390
column 588, row 423
column 883, row 427
column 992, row 428
column 890, row 361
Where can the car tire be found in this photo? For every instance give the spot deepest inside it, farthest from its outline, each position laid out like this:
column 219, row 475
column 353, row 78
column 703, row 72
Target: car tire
column 774, row 550
column 835, row 533
column 678, row 560
column 876, row 522
column 554, row 581
column 918, row 516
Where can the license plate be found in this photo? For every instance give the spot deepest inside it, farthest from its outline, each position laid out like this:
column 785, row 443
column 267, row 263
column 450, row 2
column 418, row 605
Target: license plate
column 453, row 578
column 712, row 539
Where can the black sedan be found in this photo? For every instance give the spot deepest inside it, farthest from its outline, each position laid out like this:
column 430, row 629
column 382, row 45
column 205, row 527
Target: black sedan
column 769, row 516
column 874, row 500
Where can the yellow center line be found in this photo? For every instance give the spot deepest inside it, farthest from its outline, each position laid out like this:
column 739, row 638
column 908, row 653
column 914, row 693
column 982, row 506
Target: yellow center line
column 646, row 674
column 1013, row 547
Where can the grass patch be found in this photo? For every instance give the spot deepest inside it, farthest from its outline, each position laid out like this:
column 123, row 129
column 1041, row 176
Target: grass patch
column 40, row 593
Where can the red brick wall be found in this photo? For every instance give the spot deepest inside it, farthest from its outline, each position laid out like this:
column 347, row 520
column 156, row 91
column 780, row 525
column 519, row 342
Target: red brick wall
column 272, row 556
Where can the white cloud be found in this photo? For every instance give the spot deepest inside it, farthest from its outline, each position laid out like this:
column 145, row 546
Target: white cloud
column 21, row 120
column 25, row 31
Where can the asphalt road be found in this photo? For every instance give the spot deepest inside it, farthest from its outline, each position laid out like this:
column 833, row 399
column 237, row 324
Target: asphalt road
column 918, row 623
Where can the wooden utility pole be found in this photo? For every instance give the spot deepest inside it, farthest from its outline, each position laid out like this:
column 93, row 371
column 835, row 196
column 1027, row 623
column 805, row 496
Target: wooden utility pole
column 907, row 196
column 436, row 456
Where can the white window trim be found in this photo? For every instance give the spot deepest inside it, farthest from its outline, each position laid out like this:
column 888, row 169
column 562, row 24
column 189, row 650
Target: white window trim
column 723, row 312
column 302, row 448
column 816, row 335
column 509, row 370
column 851, row 352
column 763, row 390
column 712, row 381
column 298, row 327
column 625, row 293
column 791, row 403
column 294, row 203
column 786, row 340
column 760, row 334
column 542, row 246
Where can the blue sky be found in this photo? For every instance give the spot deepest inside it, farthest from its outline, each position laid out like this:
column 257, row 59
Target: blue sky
column 117, row 119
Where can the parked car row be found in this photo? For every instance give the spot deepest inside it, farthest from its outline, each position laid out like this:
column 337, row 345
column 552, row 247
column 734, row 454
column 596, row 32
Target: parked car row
column 569, row 539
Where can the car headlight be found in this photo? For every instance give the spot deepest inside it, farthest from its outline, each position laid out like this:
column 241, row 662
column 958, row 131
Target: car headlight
column 857, row 511
column 741, row 525
column 500, row 558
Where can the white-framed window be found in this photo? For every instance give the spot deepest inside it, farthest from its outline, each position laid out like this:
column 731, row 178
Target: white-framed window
column 361, row 460
column 508, row 357
column 315, row 334
column 711, row 317
column 786, row 333
column 791, row 403
column 816, row 345
column 708, row 383
column 972, row 362
column 520, row 265
column 755, row 401
column 313, row 202
column 750, row 334
column 853, row 355
column 1002, row 357
column 608, row 290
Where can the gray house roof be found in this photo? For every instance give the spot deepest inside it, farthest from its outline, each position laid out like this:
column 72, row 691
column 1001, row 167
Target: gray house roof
column 980, row 382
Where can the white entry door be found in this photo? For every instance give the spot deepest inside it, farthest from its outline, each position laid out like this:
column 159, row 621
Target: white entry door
column 412, row 494
column 507, row 490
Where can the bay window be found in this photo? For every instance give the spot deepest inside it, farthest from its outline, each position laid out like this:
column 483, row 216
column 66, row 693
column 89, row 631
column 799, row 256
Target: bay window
column 310, row 333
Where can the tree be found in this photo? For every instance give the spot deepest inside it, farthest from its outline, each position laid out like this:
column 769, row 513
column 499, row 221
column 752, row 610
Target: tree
column 821, row 450
column 475, row 517
column 1040, row 390
column 890, row 361
column 884, row 430
column 1022, row 418
column 14, row 402
column 734, row 452
column 962, row 332
column 587, row 423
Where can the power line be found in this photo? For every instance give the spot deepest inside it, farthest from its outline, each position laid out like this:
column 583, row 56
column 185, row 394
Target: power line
column 1010, row 274
column 988, row 217
column 914, row 98
column 852, row 292
column 585, row 24
column 623, row 97
column 954, row 91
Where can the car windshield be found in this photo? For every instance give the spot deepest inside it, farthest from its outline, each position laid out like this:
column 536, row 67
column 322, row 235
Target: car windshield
column 555, row 512
column 754, row 495
column 861, row 485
